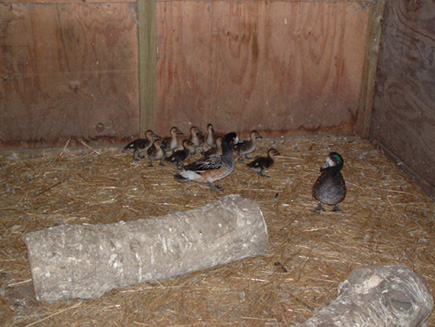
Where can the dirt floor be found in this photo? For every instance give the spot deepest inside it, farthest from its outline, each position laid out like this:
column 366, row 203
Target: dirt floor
column 385, row 219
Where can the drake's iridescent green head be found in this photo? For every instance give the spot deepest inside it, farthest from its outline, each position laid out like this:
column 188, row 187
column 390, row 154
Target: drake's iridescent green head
column 334, row 159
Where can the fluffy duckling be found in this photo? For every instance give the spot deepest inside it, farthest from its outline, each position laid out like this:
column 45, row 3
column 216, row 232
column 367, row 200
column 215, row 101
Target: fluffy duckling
column 330, row 187
column 141, row 145
column 217, row 149
column 156, row 152
column 212, row 168
column 171, row 142
column 247, row 146
column 197, row 139
column 211, row 137
column 179, row 156
column 260, row 164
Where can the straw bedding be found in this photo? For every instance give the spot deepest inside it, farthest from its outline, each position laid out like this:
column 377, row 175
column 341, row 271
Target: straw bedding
column 385, row 219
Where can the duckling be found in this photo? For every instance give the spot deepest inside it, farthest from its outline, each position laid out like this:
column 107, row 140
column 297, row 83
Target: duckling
column 212, row 168
column 156, row 152
column 141, row 145
column 171, row 142
column 261, row 164
column 247, row 146
column 217, row 149
column 181, row 155
column 197, row 139
column 211, row 136
column 330, row 187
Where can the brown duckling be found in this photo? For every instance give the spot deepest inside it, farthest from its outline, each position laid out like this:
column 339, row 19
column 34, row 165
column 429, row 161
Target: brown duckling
column 211, row 168
column 141, row 145
column 197, row 139
column 171, row 142
column 179, row 156
column 156, row 152
column 247, row 146
column 330, row 187
column 217, row 149
column 260, row 164
column 211, row 136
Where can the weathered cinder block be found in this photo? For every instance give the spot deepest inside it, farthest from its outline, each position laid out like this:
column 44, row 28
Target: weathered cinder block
column 381, row 296
column 86, row 261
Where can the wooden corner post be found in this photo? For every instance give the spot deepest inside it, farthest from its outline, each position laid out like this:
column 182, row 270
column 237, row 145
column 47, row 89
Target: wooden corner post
column 146, row 14
column 374, row 29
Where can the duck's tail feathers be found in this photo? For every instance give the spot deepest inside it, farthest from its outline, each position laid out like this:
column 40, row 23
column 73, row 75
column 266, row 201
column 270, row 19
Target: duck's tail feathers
column 180, row 178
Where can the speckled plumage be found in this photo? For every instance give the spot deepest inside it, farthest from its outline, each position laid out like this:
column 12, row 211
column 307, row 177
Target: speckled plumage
column 330, row 187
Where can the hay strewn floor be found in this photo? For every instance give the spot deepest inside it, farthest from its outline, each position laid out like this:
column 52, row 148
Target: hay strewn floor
column 385, row 219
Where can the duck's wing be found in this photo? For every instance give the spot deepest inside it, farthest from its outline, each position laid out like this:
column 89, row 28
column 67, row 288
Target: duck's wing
column 136, row 144
column 254, row 164
column 211, row 162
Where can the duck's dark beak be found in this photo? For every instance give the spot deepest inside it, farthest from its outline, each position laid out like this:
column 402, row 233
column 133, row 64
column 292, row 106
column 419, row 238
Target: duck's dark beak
column 325, row 166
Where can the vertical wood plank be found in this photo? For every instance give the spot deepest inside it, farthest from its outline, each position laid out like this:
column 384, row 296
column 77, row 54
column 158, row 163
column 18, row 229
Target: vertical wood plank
column 403, row 117
column 374, row 30
column 146, row 12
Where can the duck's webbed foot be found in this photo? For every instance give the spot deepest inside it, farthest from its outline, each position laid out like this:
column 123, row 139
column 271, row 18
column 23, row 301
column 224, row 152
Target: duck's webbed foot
column 336, row 208
column 248, row 157
column 262, row 175
column 161, row 163
column 137, row 156
column 319, row 208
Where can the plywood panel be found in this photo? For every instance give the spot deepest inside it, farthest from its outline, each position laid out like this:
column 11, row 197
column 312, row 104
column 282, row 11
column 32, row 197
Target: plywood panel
column 403, row 117
column 68, row 70
column 279, row 66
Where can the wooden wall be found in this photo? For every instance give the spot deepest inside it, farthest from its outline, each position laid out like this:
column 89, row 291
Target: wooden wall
column 282, row 66
column 70, row 69
column 403, row 116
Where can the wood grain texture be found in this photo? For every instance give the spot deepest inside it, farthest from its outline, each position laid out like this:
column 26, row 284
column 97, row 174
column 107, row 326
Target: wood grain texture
column 374, row 29
column 403, row 117
column 280, row 66
column 67, row 71
column 146, row 33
